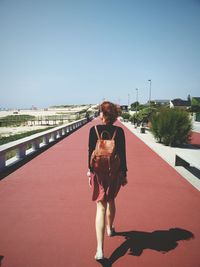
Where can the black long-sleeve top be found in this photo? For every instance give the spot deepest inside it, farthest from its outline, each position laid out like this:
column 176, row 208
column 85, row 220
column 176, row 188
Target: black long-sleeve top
column 119, row 143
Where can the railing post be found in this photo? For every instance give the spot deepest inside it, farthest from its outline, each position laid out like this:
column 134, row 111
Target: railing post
column 65, row 131
column 54, row 136
column 46, row 139
column 21, row 152
column 59, row 133
column 2, row 161
column 36, row 144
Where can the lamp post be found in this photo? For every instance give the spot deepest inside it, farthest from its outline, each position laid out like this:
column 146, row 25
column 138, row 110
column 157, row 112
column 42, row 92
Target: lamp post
column 128, row 99
column 149, row 91
column 136, row 107
column 136, row 100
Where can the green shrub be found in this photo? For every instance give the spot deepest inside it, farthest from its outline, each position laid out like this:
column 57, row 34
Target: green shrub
column 132, row 118
column 143, row 115
column 125, row 115
column 171, row 126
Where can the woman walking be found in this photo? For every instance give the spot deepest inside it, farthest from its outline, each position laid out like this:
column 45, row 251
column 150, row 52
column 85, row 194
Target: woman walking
column 106, row 186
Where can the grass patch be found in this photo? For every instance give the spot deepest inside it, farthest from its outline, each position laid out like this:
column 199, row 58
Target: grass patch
column 7, row 139
column 15, row 120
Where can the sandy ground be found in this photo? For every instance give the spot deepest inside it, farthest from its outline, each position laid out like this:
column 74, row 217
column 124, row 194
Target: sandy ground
column 7, row 131
column 44, row 112
column 71, row 111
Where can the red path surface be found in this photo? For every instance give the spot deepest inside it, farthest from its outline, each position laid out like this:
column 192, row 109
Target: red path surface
column 47, row 217
column 195, row 139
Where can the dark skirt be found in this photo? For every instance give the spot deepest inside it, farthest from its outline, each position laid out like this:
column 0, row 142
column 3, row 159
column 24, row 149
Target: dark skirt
column 105, row 188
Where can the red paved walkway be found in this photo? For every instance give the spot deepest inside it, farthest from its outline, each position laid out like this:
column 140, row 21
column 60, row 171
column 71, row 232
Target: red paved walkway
column 47, row 218
column 195, row 139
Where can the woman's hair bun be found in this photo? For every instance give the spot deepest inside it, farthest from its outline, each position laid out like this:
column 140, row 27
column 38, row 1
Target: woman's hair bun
column 110, row 111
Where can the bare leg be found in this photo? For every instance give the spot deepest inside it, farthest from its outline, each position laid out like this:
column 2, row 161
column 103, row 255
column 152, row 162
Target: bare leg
column 100, row 228
column 110, row 216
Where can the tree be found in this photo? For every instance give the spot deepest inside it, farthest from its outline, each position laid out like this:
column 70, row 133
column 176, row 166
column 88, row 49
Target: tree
column 135, row 105
column 195, row 104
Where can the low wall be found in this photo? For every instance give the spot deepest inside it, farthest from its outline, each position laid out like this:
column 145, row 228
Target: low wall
column 36, row 142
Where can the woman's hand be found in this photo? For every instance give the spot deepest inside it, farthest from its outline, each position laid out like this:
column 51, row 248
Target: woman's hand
column 89, row 178
column 124, row 180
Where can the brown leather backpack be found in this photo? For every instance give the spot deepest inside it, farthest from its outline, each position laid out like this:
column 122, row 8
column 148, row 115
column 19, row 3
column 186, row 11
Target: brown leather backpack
column 104, row 159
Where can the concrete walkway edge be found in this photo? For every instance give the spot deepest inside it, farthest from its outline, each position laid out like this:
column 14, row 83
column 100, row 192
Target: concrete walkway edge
column 165, row 152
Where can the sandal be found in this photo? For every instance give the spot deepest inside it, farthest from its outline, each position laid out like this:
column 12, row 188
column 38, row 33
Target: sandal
column 111, row 232
column 99, row 256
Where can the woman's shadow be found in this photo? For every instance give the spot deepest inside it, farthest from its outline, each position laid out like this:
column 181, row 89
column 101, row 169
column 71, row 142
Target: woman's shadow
column 1, row 258
column 136, row 241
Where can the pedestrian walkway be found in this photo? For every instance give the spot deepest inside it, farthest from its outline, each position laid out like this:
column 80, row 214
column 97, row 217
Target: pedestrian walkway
column 196, row 139
column 47, row 216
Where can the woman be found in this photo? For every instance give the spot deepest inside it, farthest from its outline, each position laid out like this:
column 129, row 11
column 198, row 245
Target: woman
column 105, row 189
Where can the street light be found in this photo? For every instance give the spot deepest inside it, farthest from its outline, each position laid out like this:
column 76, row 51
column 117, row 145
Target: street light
column 128, row 100
column 136, row 99
column 149, row 92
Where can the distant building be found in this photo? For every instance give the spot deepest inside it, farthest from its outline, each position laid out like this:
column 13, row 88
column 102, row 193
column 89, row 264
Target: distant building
column 124, row 108
column 161, row 101
column 179, row 103
column 33, row 107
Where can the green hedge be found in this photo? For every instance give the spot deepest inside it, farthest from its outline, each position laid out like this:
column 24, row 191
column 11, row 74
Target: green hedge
column 172, row 126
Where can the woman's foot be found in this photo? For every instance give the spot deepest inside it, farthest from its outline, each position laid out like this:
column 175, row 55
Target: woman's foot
column 99, row 255
column 110, row 231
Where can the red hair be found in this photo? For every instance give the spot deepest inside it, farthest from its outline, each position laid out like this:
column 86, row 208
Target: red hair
column 110, row 112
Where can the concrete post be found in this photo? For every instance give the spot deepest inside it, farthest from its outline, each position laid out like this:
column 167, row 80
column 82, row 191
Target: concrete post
column 36, row 144
column 46, row 139
column 54, row 135
column 2, row 161
column 59, row 133
column 21, row 152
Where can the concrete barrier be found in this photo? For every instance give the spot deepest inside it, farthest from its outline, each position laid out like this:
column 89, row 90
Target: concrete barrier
column 28, row 145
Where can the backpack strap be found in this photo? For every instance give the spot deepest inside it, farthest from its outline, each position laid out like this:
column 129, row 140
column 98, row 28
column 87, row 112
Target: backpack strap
column 98, row 136
column 114, row 134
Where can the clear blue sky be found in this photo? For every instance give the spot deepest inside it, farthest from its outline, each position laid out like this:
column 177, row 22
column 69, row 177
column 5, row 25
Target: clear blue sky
column 79, row 51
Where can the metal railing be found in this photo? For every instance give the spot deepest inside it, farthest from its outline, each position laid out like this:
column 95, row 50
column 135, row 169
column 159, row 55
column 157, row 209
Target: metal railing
column 31, row 144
